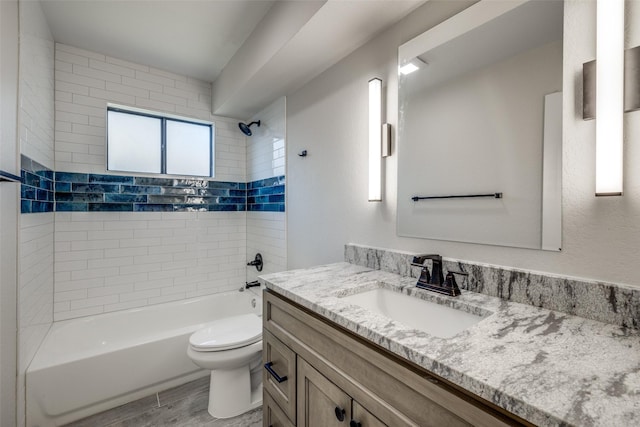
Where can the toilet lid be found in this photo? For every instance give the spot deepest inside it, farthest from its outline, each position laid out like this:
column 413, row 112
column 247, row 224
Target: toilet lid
column 227, row 333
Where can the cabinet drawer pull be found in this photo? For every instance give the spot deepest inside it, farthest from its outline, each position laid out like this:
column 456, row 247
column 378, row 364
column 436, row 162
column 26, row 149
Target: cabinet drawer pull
column 340, row 414
column 354, row 423
column 273, row 373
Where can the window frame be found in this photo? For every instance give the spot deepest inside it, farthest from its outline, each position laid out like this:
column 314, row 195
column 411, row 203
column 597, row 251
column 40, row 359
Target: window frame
column 163, row 138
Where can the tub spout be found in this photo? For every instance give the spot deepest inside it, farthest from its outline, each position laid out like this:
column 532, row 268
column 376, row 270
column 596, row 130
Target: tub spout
column 252, row 284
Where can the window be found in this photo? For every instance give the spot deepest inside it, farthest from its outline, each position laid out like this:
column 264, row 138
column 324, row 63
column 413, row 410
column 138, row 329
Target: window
column 152, row 143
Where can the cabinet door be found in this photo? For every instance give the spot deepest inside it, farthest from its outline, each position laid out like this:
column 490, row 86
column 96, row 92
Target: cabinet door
column 279, row 377
column 363, row 418
column 272, row 415
column 320, row 402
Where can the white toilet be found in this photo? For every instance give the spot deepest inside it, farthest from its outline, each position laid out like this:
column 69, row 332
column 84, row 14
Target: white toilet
column 232, row 349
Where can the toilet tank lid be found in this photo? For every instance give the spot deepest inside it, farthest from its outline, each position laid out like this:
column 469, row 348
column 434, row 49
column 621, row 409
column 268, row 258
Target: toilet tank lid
column 227, row 333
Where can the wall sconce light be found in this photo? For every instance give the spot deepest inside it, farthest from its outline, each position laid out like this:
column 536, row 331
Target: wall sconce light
column 609, row 96
column 604, row 95
column 386, row 140
column 375, row 140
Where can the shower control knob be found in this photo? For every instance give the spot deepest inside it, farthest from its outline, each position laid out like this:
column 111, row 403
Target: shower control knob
column 257, row 262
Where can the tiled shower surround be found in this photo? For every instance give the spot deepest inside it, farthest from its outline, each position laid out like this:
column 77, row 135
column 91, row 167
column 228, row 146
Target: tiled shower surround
column 120, row 241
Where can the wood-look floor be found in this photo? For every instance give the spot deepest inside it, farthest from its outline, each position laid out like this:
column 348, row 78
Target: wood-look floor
column 182, row 406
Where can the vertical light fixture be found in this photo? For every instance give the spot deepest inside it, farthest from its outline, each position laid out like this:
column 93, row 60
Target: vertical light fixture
column 609, row 96
column 375, row 140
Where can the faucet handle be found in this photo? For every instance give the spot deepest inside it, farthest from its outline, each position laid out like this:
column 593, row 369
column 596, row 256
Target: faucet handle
column 436, row 274
column 450, row 281
column 421, row 261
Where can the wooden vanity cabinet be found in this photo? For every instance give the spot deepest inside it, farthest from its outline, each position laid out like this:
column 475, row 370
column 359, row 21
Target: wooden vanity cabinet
column 322, row 404
column 336, row 378
column 272, row 415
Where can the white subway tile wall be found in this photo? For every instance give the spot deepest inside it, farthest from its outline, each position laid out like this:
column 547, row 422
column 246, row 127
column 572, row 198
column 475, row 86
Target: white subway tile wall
column 35, row 305
column 112, row 261
column 35, row 294
column 36, row 137
column 36, row 114
column 87, row 81
column 266, row 235
column 266, row 231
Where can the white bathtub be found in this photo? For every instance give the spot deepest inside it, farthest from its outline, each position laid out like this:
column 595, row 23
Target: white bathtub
column 87, row 365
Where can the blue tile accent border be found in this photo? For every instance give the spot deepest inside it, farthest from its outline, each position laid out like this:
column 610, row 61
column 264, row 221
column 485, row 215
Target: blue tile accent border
column 122, row 193
column 37, row 188
column 266, row 195
column 8, row 176
column 44, row 190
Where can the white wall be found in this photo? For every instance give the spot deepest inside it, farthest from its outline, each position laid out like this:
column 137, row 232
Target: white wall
column 266, row 231
column 36, row 135
column 327, row 190
column 107, row 261
column 9, row 195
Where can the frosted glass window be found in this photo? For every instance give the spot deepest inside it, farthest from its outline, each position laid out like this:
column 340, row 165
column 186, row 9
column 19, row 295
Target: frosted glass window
column 152, row 143
column 188, row 148
column 134, row 142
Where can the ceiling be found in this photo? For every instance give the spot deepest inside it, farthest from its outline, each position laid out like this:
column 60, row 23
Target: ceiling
column 253, row 51
column 189, row 37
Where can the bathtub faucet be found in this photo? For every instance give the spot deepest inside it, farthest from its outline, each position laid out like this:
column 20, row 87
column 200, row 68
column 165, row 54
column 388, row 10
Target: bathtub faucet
column 251, row 284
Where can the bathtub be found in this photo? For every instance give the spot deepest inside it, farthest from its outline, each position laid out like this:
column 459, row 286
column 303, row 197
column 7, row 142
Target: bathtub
column 90, row 364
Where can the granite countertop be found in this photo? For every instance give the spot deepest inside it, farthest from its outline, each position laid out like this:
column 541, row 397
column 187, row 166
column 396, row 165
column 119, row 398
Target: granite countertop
column 547, row 367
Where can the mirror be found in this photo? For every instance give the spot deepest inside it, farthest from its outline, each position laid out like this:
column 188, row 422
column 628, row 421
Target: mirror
column 482, row 114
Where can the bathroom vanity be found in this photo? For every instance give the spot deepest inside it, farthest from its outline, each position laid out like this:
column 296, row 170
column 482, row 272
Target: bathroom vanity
column 323, row 375
column 331, row 359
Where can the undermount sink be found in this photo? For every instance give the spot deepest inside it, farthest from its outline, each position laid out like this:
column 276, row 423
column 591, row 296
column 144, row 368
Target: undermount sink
column 432, row 318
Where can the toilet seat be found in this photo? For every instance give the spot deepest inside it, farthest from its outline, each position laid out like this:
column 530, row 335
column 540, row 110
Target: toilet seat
column 228, row 333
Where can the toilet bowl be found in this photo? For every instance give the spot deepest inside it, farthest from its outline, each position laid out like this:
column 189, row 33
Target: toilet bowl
column 231, row 348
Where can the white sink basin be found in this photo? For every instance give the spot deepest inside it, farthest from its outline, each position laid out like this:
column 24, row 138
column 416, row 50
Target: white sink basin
column 434, row 319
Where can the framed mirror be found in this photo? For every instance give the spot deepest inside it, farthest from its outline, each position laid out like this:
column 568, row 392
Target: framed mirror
column 480, row 127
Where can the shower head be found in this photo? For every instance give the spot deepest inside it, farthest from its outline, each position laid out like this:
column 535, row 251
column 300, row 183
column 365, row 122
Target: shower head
column 246, row 128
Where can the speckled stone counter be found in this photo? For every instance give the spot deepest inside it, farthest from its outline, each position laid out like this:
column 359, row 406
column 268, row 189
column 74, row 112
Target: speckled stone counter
column 547, row 367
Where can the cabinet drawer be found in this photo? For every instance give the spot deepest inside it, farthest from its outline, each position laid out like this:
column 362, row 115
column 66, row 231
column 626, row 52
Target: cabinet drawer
column 279, row 376
column 272, row 415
